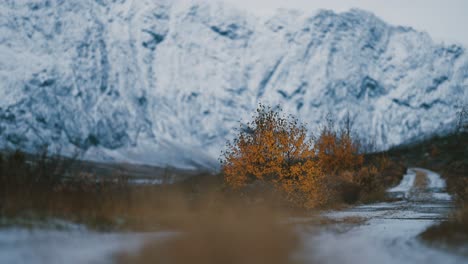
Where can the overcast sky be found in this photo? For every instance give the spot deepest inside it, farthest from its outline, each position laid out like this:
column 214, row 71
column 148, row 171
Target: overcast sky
column 444, row 20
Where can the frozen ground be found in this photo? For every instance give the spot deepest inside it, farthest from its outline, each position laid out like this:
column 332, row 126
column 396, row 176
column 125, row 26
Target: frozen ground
column 75, row 245
column 390, row 232
column 388, row 235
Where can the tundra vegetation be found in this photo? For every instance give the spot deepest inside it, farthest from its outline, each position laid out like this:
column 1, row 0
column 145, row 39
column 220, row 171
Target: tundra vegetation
column 449, row 155
column 273, row 169
column 308, row 171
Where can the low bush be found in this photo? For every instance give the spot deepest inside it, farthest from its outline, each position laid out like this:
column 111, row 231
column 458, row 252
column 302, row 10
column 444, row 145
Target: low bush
column 451, row 232
column 310, row 171
column 276, row 150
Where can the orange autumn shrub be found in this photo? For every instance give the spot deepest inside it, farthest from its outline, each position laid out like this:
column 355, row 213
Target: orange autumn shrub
column 340, row 159
column 337, row 150
column 275, row 149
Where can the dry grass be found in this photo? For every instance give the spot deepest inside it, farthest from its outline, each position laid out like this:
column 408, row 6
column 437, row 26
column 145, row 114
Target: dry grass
column 421, row 181
column 232, row 233
column 449, row 156
column 452, row 232
column 215, row 225
column 212, row 226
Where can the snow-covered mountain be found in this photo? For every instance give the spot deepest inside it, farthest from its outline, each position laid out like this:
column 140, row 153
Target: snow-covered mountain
column 165, row 83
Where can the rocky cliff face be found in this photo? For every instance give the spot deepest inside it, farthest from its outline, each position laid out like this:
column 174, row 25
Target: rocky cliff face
column 165, row 83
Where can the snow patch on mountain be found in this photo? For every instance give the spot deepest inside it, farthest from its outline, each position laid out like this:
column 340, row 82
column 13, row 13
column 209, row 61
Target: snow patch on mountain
column 165, row 83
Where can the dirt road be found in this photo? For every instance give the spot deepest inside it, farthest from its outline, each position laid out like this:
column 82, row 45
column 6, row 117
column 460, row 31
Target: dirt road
column 390, row 231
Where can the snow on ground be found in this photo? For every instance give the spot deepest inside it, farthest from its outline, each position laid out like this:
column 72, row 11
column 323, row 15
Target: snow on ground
column 77, row 246
column 435, row 181
column 390, row 232
column 389, row 235
column 406, row 184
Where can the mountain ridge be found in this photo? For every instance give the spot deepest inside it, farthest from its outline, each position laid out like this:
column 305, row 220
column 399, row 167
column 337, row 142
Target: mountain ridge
column 165, row 84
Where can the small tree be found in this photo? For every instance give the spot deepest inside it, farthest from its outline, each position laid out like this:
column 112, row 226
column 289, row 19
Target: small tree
column 337, row 150
column 275, row 149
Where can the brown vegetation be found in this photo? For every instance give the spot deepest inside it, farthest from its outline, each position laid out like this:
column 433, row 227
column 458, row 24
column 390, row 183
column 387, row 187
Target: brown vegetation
column 324, row 170
column 271, row 164
column 231, row 233
column 452, row 232
column 420, row 181
column 337, row 150
column 213, row 226
column 351, row 176
column 451, row 161
column 447, row 155
column 275, row 150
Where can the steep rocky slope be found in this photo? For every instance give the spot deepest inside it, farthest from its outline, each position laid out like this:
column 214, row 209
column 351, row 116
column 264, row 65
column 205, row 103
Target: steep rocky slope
column 165, row 83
